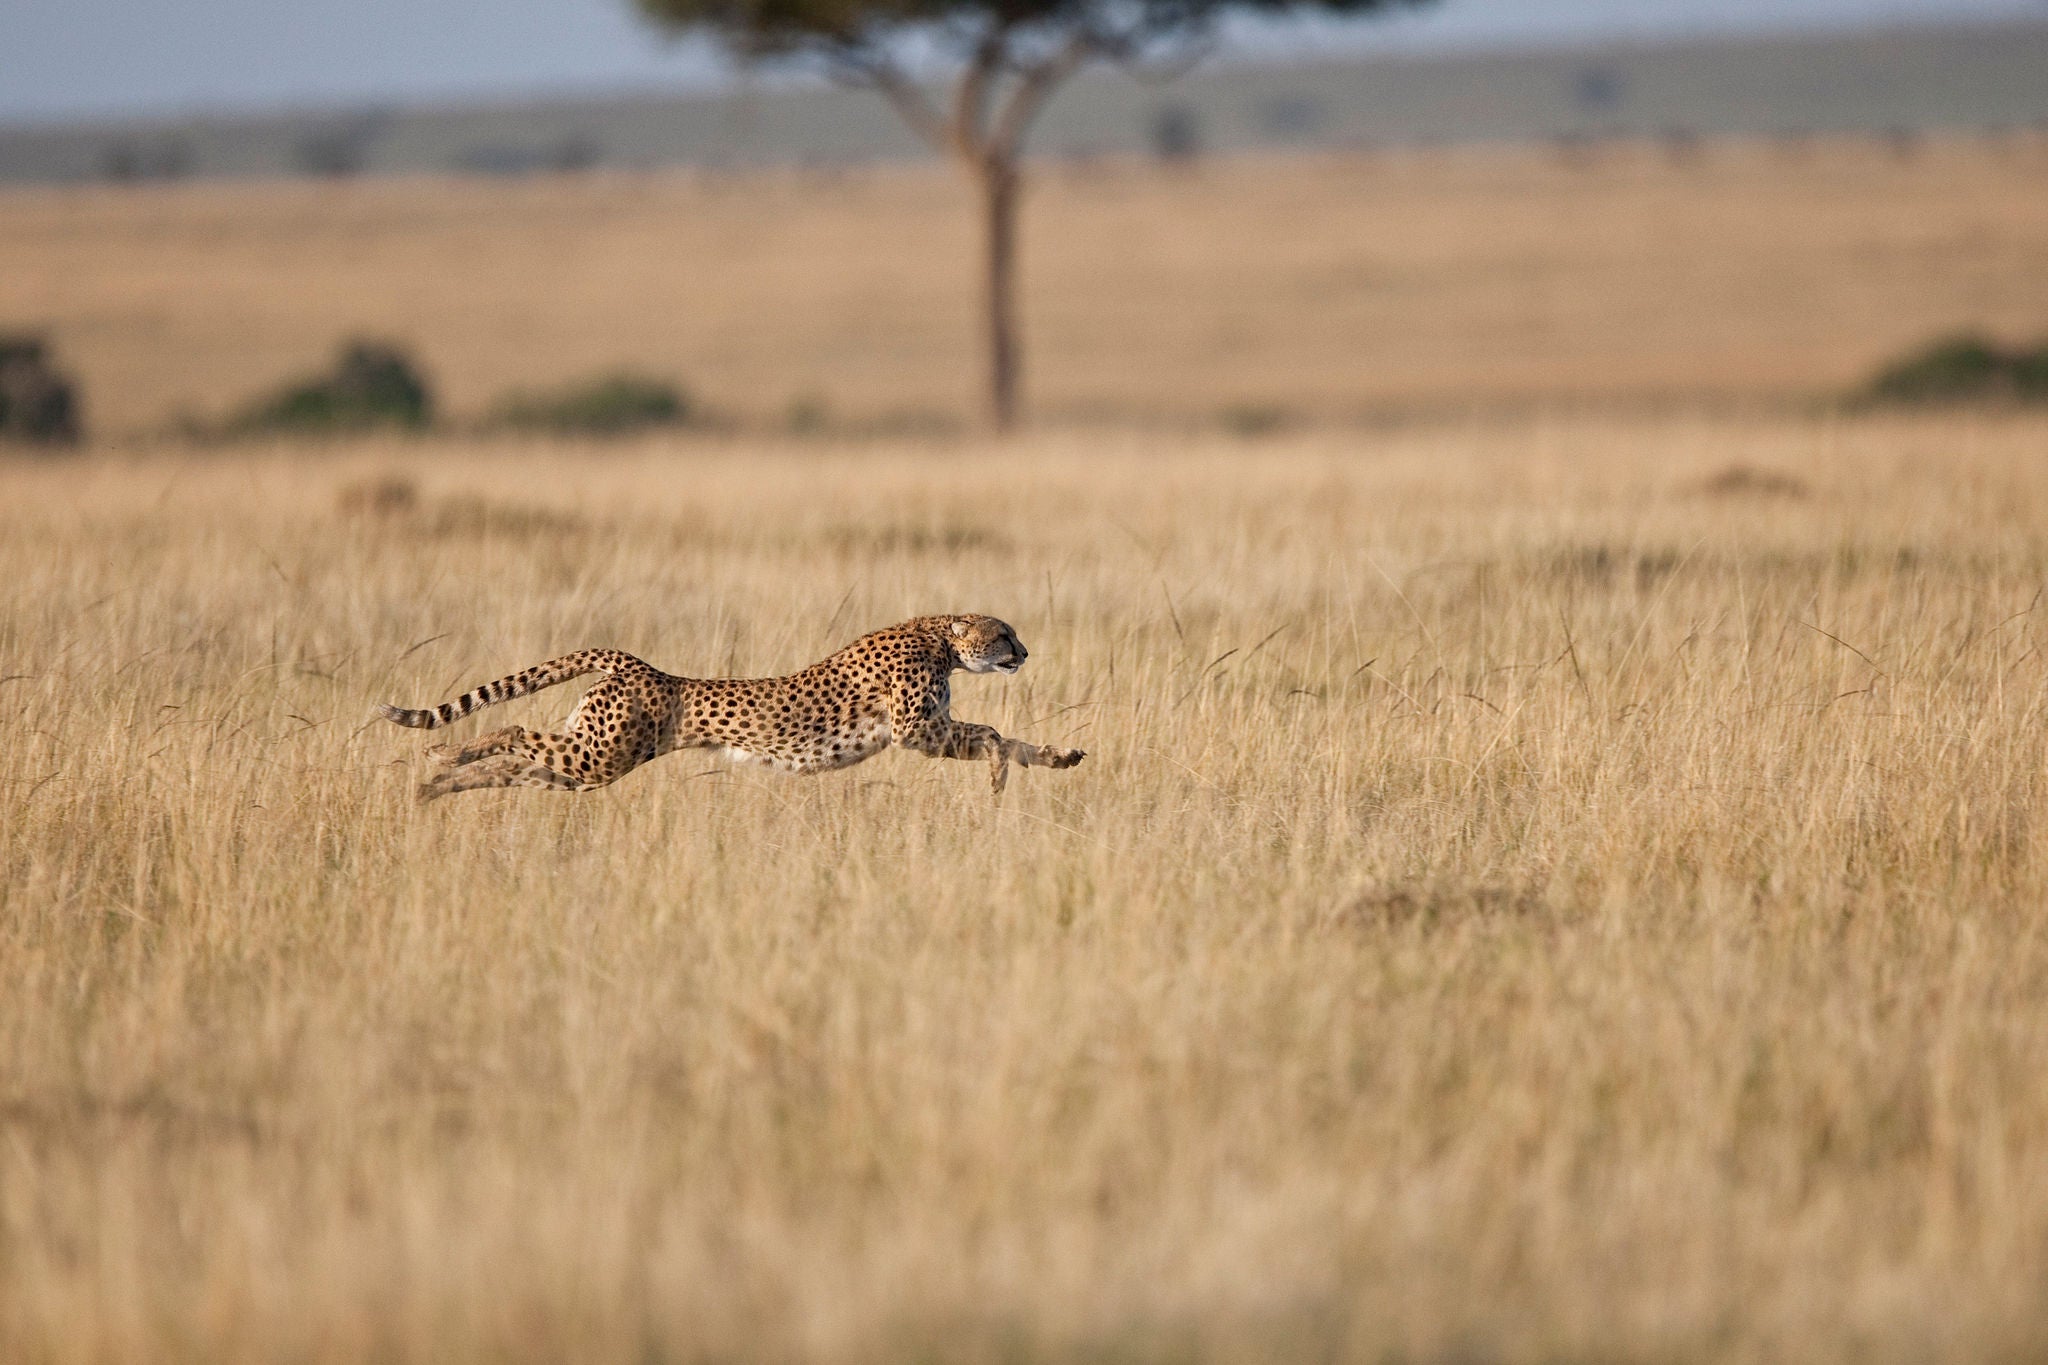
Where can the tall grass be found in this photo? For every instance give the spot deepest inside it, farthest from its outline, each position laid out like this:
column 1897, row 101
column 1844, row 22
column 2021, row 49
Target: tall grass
column 1531, row 895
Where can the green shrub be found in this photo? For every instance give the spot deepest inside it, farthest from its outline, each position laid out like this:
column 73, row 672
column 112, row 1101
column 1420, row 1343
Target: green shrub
column 1962, row 369
column 807, row 415
column 2030, row 374
column 38, row 403
column 372, row 384
column 606, row 406
column 1252, row 420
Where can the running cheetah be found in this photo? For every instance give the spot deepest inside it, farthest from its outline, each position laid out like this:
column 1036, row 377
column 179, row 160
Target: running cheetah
column 892, row 686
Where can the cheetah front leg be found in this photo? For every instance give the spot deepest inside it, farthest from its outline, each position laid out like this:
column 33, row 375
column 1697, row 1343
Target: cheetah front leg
column 1030, row 756
column 948, row 738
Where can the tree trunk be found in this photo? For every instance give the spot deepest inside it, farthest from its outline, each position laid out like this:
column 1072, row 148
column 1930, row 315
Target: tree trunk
column 999, row 185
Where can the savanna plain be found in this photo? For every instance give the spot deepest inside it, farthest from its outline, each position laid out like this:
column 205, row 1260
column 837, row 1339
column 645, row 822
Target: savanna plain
column 1557, row 883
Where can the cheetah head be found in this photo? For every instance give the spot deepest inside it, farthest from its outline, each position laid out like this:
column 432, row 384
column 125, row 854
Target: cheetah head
column 986, row 645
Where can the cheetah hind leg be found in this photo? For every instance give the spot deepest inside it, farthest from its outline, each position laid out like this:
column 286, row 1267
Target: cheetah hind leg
column 498, row 770
column 484, row 746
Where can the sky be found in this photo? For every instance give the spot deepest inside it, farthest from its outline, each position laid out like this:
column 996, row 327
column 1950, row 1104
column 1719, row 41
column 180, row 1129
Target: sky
column 66, row 60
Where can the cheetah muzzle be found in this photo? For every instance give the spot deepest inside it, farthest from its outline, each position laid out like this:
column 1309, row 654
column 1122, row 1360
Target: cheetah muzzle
column 890, row 687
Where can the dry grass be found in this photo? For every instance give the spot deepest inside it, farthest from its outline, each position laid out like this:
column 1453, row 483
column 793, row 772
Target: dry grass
column 1318, row 287
column 1529, row 898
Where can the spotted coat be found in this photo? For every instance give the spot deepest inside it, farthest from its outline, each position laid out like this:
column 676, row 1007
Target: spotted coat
column 889, row 687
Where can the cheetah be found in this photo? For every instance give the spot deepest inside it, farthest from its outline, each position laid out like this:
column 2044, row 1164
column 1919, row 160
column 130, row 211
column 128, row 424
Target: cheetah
column 889, row 687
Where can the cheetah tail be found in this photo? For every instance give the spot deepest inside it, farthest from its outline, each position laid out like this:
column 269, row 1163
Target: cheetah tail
column 516, row 685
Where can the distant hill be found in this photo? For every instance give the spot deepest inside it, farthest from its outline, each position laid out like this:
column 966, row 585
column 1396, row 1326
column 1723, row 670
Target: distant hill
column 1898, row 82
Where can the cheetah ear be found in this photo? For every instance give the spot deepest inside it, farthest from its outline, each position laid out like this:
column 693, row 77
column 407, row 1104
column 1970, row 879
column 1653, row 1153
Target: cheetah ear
column 959, row 628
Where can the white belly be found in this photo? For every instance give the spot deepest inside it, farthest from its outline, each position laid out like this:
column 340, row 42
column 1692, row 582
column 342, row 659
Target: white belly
column 862, row 741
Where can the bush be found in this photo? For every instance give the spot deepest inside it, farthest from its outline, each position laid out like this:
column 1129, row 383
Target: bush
column 2030, row 374
column 1963, row 369
column 37, row 402
column 1251, row 420
column 606, row 406
column 373, row 384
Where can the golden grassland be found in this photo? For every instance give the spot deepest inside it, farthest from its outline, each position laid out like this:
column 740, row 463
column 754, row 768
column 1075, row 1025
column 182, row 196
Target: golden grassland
column 1562, row 890
column 1318, row 287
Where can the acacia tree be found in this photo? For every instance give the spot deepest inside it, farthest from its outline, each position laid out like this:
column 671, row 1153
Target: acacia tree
column 1006, row 57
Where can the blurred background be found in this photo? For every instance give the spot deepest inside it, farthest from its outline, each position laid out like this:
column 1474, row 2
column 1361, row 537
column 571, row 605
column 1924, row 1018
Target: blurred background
column 108, row 89
column 550, row 212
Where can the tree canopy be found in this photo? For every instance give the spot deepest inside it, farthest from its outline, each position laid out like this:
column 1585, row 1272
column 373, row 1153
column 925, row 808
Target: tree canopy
column 1033, row 43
